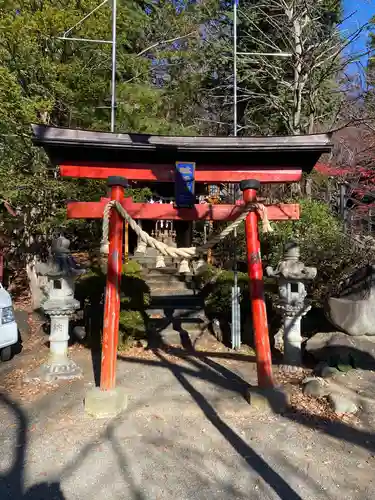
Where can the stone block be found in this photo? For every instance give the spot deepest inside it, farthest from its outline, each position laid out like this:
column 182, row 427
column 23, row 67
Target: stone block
column 316, row 388
column 105, row 404
column 329, row 371
column 270, row 399
column 337, row 348
column 341, row 404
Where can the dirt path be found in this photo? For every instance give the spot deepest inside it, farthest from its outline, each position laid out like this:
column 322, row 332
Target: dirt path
column 187, row 434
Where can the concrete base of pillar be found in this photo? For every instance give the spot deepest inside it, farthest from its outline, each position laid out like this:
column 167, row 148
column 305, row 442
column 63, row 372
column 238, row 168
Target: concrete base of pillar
column 105, row 404
column 270, row 399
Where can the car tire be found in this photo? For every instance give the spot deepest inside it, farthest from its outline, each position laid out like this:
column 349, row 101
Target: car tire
column 6, row 353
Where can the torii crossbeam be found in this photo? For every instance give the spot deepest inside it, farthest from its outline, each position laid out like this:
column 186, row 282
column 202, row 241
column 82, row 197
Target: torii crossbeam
column 246, row 160
column 156, row 211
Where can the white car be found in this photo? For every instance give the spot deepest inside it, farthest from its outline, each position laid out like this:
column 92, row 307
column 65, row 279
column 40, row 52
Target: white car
column 8, row 325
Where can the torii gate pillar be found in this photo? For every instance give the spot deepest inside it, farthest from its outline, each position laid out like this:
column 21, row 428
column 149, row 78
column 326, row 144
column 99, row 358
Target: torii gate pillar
column 256, row 288
column 113, row 288
column 108, row 401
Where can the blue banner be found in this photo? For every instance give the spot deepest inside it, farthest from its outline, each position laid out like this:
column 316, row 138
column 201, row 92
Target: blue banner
column 185, row 184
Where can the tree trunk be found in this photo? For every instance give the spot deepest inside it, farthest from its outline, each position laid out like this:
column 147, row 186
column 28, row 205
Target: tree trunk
column 308, row 188
column 31, row 261
column 35, row 290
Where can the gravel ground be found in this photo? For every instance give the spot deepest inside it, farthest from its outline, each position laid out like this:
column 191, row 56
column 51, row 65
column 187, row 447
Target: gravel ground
column 187, row 433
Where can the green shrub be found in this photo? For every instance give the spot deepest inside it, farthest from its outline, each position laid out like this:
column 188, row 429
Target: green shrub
column 218, row 294
column 204, row 276
column 132, row 327
column 134, row 299
column 323, row 245
column 317, row 226
column 132, row 268
column 322, row 242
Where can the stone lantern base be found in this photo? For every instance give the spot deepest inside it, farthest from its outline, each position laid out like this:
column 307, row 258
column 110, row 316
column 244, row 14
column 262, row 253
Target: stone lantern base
column 59, row 366
column 59, row 369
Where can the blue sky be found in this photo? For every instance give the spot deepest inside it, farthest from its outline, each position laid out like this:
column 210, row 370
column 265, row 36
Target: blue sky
column 362, row 11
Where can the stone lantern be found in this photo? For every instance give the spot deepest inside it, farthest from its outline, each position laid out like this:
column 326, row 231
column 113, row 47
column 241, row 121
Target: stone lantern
column 60, row 305
column 292, row 275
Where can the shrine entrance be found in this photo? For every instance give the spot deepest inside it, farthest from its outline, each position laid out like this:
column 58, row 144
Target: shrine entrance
column 184, row 162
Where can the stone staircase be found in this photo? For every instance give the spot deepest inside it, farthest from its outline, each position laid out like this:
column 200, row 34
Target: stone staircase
column 176, row 314
column 148, row 259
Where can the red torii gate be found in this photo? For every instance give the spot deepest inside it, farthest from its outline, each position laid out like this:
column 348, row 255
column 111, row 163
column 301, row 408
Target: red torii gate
column 119, row 157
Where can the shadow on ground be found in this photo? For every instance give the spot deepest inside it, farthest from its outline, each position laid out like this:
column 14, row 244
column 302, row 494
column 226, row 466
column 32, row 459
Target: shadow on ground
column 202, row 367
column 215, row 373
column 12, row 482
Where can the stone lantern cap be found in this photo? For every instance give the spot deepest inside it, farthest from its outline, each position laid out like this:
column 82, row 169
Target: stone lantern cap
column 61, row 263
column 291, row 268
column 61, row 271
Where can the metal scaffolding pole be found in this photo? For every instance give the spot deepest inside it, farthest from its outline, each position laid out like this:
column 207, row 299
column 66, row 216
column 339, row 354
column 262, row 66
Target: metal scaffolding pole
column 113, row 80
column 113, row 42
column 236, row 312
column 235, row 68
column 236, row 308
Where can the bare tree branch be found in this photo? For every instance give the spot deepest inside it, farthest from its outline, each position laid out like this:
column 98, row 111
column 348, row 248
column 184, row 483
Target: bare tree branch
column 164, row 42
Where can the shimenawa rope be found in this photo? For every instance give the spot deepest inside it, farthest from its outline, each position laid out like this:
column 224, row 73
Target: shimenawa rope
column 183, row 253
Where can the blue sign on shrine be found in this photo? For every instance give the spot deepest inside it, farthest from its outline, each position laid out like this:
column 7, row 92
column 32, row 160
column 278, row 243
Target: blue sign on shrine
column 185, row 184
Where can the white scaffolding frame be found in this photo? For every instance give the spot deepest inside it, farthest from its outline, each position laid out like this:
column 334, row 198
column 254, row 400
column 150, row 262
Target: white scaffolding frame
column 112, row 42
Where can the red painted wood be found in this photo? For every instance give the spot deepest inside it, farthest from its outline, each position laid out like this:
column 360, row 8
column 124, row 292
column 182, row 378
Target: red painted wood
column 165, row 173
column 112, row 296
column 156, row 211
column 256, row 288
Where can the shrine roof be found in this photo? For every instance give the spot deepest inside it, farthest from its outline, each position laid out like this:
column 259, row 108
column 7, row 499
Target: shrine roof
column 70, row 145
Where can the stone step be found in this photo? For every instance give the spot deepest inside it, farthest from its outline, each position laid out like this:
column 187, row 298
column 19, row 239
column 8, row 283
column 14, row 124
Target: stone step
column 184, row 338
column 183, row 331
column 151, row 258
column 171, row 285
column 163, row 289
column 167, row 281
column 179, row 310
column 157, row 321
column 150, row 261
column 185, row 302
column 165, row 272
column 150, row 252
column 168, row 284
column 164, row 279
column 176, row 322
column 176, row 317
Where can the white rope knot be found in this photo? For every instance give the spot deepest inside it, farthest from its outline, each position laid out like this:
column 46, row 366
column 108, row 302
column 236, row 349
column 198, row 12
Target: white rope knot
column 262, row 212
column 182, row 253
